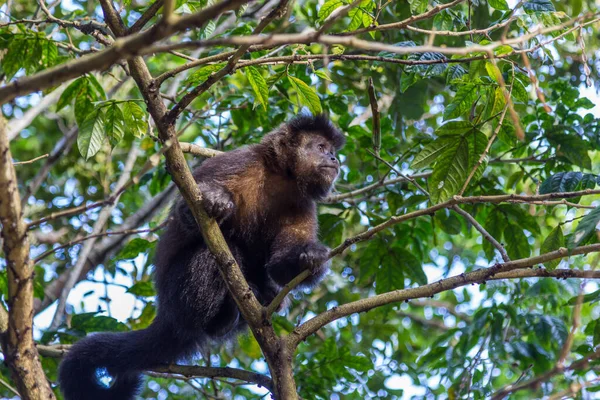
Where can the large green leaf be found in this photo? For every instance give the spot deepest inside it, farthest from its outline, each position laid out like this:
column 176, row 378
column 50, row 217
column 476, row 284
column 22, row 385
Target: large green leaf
column 586, row 227
column 561, row 182
column 328, row 7
column 450, row 171
column 539, row 6
column 142, row 289
column 494, row 222
column 517, row 245
column 307, row 95
column 431, row 152
column 462, row 102
column 390, row 275
column 202, row 74
column 499, row 4
column 259, row 85
column 554, row 241
column 135, row 118
column 114, row 124
column 70, row 93
column 477, row 144
column 91, row 134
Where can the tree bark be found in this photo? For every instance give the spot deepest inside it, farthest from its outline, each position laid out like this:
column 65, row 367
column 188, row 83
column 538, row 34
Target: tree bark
column 19, row 349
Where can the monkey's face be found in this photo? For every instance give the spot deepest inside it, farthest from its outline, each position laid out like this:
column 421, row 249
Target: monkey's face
column 317, row 166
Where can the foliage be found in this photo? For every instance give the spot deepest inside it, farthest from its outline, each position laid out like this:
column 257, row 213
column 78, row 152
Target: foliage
column 452, row 121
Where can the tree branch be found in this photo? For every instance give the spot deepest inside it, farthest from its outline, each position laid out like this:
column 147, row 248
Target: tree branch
column 122, row 48
column 187, row 371
column 429, row 290
column 19, row 350
column 503, row 198
column 486, row 235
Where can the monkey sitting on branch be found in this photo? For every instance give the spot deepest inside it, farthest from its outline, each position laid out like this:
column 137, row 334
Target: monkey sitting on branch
column 264, row 199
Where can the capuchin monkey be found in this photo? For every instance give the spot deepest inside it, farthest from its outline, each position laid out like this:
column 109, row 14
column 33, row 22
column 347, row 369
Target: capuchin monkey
column 264, row 198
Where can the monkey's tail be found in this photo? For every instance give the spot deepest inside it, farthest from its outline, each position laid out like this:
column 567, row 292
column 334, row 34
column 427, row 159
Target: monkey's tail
column 107, row 365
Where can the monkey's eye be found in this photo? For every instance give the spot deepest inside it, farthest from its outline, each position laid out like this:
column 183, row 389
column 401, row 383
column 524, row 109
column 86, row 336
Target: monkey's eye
column 321, row 148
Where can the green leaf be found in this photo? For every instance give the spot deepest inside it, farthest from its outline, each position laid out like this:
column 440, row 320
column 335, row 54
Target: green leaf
column 134, row 248
column 142, row 289
column 202, row 74
column 493, row 224
column 418, row 6
column 443, row 21
column 410, row 265
column 327, row 8
column 97, row 87
column 356, row 19
column 450, row 223
column 91, row 134
column 389, row 276
column 145, row 318
column 462, row 102
column 585, row 228
column 259, row 85
column 561, row 182
column 70, row 93
column 307, row 95
column 450, row 170
column 493, row 71
column 454, row 128
column 539, row 6
column 587, row 298
column 114, row 124
column 371, row 259
column 84, row 102
column 431, row 152
column 477, row 144
column 323, row 75
column 455, row 71
column 572, row 147
column 331, row 228
column 517, row 246
column 135, row 119
column 554, row 241
column 90, row 322
column 499, row 4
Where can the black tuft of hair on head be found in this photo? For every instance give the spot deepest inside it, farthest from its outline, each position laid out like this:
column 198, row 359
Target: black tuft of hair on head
column 319, row 124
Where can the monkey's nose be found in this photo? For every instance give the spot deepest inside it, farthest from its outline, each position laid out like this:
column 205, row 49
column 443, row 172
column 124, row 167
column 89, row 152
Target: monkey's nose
column 334, row 159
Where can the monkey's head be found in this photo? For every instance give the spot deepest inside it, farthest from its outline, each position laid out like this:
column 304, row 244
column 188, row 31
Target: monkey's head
column 304, row 149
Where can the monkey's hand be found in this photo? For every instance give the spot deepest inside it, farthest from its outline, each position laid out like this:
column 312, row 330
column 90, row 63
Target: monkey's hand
column 217, row 201
column 315, row 259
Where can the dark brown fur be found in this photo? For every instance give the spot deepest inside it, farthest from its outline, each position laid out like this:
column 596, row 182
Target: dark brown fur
column 264, row 197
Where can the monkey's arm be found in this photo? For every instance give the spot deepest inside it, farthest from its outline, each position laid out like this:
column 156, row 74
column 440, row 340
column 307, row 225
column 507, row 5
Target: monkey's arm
column 296, row 249
column 216, row 198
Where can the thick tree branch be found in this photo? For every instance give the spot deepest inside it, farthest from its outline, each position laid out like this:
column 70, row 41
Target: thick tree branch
column 252, row 311
column 125, row 47
column 20, row 353
column 429, row 290
column 404, row 23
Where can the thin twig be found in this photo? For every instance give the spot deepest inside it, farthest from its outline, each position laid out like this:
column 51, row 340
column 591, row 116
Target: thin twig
column 486, row 235
column 32, row 160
